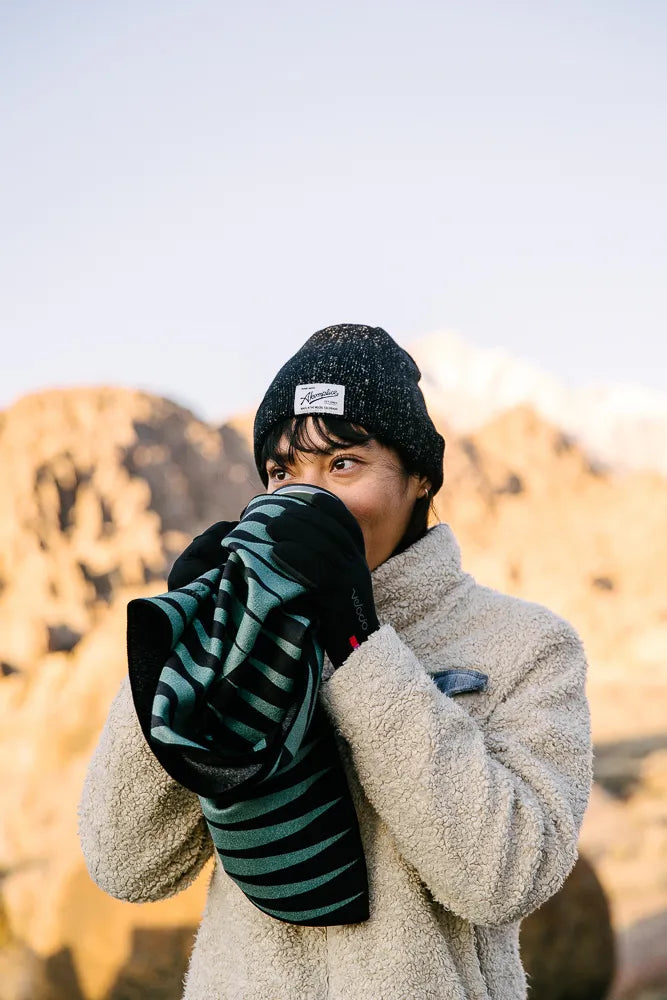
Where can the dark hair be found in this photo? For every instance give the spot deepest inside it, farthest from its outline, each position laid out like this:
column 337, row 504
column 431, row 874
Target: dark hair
column 340, row 433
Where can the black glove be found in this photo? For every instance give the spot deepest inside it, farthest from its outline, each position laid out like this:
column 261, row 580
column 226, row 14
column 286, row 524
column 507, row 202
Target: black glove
column 321, row 545
column 203, row 553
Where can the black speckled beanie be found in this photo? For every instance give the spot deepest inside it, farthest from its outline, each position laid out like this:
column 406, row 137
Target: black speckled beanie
column 361, row 374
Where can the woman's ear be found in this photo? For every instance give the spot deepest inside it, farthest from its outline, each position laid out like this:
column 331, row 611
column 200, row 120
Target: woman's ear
column 424, row 487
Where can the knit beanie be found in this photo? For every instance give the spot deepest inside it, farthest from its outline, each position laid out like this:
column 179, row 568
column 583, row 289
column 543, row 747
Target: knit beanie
column 361, row 374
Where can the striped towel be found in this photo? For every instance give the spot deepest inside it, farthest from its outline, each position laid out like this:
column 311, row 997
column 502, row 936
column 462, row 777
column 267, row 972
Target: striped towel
column 225, row 675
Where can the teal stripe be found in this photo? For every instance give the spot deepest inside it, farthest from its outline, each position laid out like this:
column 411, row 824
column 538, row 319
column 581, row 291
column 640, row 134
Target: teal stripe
column 202, row 674
column 179, row 684
column 292, row 888
column 256, row 529
column 247, row 633
column 276, row 862
column 202, row 589
column 270, row 576
column 301, row 619
column 238, row 812
column 287, row 647
column 163, row 734
column 280, row 768
column 162, row 708
column 237, row 604
column 299, row 727
column 285, row 683
column 248, row 733
column 188, row 602
column 236, row 611
column 185, row 696
column 301, row 915
column 273, row 712
column 211, row 644
column 237, row 840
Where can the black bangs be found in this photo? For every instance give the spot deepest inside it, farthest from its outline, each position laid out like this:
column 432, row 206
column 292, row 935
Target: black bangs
column 337, row 432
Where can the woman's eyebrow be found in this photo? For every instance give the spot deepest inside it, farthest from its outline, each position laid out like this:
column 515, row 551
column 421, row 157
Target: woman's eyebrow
column 281, row 457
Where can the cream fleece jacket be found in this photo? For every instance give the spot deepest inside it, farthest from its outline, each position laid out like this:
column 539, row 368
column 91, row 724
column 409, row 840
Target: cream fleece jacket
column 469, row 803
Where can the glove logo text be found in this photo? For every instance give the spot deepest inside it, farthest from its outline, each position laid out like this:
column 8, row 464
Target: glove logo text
column 359, row 608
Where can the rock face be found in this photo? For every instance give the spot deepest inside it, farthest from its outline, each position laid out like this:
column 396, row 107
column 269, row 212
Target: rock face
column 106, row 486
column 537, row 518
column 567, row 946
column 103, row 488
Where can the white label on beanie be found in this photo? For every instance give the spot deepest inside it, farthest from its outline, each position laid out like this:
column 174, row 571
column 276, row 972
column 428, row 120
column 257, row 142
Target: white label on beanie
column 319, row 397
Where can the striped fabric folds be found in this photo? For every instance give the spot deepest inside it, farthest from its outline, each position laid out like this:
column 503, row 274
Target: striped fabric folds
column 225, row 676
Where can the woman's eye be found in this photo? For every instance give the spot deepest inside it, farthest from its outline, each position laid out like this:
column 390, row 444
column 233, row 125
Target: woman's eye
column 276, row 471
column 343, row 458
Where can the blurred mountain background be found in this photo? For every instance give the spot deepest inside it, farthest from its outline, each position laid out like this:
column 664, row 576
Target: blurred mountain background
column 556, row 496
column 621, row 425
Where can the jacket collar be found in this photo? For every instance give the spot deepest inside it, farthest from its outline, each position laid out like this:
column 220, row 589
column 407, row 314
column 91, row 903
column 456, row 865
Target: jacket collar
column 410, row 584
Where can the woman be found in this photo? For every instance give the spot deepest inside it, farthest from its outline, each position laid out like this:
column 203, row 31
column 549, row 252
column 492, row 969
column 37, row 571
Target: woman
column 460, row 715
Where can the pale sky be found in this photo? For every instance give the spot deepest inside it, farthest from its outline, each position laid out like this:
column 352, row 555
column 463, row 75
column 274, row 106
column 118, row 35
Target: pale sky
column 189, row 190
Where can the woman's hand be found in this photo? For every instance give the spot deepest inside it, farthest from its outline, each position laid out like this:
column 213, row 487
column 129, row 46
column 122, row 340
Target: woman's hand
column 321, row 545
column 203, row 553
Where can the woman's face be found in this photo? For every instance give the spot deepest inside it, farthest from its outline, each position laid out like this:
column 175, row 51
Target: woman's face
column 368, row 478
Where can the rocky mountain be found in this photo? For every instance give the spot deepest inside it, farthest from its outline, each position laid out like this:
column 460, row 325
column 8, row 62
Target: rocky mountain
column 103, row 487
column 621, row 426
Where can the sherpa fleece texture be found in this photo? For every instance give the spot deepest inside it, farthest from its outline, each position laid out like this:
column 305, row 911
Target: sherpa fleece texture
column 469, row 805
